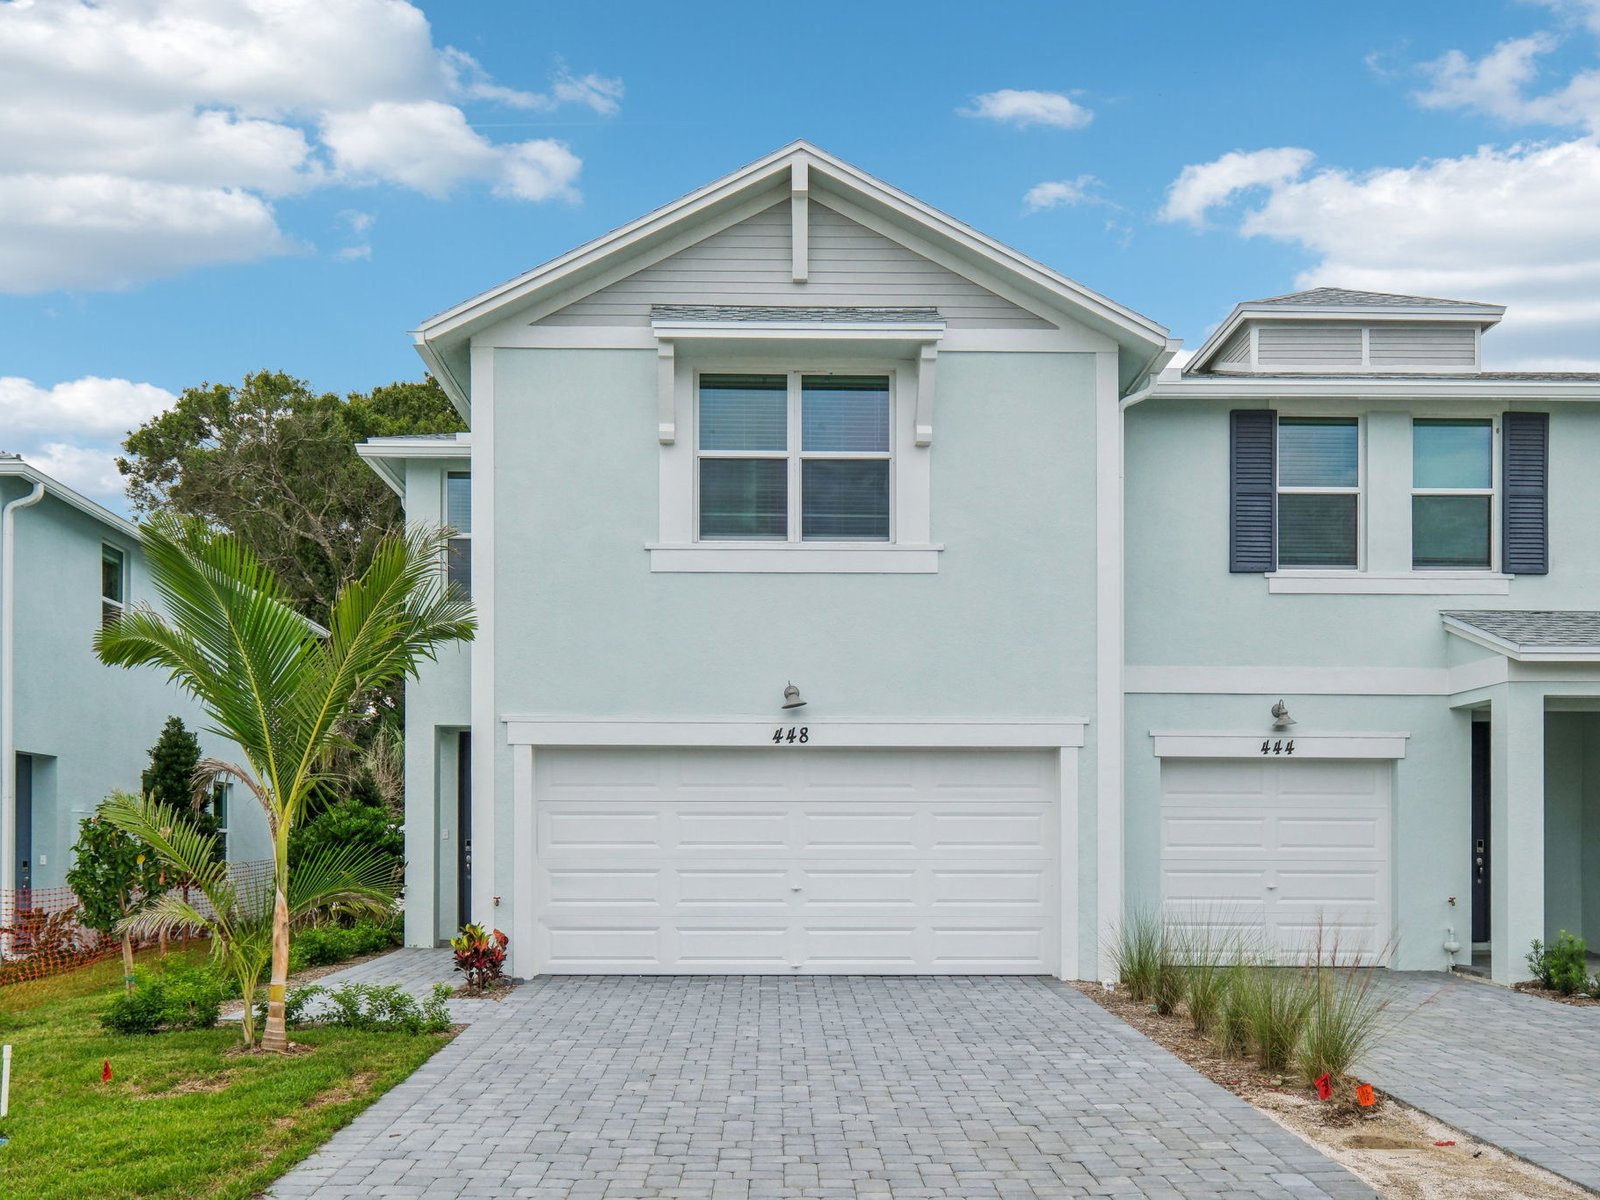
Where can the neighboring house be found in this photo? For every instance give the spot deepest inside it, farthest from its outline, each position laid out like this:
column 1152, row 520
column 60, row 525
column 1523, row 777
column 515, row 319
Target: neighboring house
column 74, row 728
column 799, row 437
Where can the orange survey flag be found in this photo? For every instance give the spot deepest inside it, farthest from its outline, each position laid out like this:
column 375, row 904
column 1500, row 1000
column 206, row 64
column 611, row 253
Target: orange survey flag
column 1364, row 1096
column 1324, row 1087
column 105, row 1072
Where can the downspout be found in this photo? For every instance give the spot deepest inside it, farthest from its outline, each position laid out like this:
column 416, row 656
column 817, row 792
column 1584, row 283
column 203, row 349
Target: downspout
column 8, row 748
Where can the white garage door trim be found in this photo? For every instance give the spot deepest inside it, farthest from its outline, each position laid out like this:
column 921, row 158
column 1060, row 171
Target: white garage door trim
column 532, row 736
column 1283, row 846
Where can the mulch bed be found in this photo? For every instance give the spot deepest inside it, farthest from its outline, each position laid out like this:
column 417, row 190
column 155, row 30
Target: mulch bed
column 1242, row 1077
column 496, row 991
column 1577, row 999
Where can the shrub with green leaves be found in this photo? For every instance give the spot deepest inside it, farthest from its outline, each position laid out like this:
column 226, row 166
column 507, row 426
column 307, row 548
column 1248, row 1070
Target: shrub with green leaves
column 325, row 945
column 1562, row 966
column 370, row 1008
column 177, row 998
column 1343, row 1021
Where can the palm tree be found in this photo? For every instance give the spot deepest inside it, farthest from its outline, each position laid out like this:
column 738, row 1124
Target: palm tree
column 287, row 693
column 237, row 917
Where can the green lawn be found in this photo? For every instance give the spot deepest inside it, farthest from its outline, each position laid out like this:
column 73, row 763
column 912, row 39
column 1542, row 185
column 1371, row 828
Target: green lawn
column 181, row 1116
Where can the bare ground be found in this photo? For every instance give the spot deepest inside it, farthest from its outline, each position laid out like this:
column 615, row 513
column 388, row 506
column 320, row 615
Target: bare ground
column 1393, row 1147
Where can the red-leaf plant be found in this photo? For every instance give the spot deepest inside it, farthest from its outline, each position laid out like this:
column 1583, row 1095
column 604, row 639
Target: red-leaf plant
column 480, row 955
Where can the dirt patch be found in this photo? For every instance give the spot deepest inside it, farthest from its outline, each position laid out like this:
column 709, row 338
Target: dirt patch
column 243, row 1051
column 1394, row 1148
column 310, row 975
column 356, row 1086
column 1577, row 1000
column 193, row 1085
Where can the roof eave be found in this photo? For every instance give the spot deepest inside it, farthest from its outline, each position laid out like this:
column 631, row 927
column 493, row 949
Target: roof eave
column 1485, row 316
column 1250, row 386
column 20, row 468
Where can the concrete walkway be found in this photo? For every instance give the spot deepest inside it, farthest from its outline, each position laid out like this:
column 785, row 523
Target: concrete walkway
column 771, row 1088
column 1517, row 1071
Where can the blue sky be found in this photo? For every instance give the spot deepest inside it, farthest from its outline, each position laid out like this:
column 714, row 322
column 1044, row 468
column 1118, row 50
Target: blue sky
column 192, row 189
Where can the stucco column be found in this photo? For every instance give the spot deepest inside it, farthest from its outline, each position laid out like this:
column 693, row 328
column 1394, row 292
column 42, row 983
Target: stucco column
column 1388, row 499
column 1516, row 826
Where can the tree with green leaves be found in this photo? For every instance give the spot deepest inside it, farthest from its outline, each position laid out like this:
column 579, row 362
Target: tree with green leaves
column 240, row 919
column 112, row 874
column 169, row 779
column 288, row 695
column 274, row 463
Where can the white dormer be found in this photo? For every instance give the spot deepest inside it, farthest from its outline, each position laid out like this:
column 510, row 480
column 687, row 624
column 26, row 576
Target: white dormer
column 1334, row 331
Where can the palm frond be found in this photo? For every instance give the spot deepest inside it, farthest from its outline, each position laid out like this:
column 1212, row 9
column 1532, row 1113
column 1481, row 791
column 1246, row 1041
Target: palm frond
column 167, row 913
column 175, row 840
column 349, row 875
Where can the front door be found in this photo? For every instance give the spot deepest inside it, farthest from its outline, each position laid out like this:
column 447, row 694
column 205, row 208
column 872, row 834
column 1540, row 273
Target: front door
column 464, row 829
column 24, row 827
column 1480, row 831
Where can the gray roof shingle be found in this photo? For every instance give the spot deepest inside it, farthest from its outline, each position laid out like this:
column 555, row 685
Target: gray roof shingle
column 1356, row 378
column 783, row 312
column 1331, row 297
column 1535, row 630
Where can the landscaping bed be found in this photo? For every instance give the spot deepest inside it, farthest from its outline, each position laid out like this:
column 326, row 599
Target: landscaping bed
column 183, row 1117
column 1392, row 1147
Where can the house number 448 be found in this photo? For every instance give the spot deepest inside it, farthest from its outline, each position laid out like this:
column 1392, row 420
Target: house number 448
column 798, row 734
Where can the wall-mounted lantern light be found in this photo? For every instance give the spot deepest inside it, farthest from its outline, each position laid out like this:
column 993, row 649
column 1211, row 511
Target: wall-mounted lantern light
column 1280, row 716
column 791, row 697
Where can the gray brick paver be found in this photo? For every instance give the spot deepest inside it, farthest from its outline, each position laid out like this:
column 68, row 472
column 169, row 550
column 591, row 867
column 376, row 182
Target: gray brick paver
column 776, row 1087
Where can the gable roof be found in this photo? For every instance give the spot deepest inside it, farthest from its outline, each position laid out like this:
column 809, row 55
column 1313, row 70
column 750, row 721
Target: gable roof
column 442, row 339
column 1344, row 304
column 17, row 467
column 1332, row 297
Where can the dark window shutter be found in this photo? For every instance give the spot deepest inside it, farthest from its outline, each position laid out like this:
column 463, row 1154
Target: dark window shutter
column 1525, row 474
column 1253, row 491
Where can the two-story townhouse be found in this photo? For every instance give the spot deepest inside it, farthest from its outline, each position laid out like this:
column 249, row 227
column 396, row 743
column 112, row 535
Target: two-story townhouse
column 1363, row 662
column 793, row 516
column 858, row 595
column 72, row 729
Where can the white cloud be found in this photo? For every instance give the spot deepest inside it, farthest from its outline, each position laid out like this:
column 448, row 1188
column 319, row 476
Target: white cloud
column 1061, row 193
column 72, row 431
column 1512, row 226
column 1023, row 108
column 139, row 118
column 1203, row 186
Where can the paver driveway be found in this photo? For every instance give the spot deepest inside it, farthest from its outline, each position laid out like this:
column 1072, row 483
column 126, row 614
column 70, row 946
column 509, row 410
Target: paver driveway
column 1518, row 1071
column 812, row 1087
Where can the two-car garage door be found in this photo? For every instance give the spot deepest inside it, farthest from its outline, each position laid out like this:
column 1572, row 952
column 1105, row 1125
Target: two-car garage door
column 796, row 860
column 1285, row 851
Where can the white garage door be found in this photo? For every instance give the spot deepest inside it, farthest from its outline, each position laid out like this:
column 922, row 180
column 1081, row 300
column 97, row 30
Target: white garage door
column 790, row 861
column 1280, row 849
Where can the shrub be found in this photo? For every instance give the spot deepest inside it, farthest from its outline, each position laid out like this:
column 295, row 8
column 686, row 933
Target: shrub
column 1233, row 1010
column 370, row 1008
column 1342, row 1022
column 1207, row 962
column 350, row 821
column 177, row 998
column 1562, row 966
column 1277, row 1002
column 1138, row 950
column 480, row 955
column 1167, row 989
column 324, row 945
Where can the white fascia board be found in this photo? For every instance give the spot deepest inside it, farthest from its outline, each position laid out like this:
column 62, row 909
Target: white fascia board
column 1483, row 316
column 1245, row 387
column 388, row 457
column 21, row 469
column 823, row 732
column 460, row 396
column 1518, row 652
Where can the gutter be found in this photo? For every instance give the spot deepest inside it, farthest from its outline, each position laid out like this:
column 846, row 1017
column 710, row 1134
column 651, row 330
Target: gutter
column 8, row 748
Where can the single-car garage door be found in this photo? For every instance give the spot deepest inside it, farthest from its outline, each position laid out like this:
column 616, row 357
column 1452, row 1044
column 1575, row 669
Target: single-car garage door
column 792, row 861
column 1280, row 849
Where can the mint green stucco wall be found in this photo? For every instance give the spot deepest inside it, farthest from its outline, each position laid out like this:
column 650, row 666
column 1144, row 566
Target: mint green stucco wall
column 1184, row 609
column 1004, row 629
column 91, row 726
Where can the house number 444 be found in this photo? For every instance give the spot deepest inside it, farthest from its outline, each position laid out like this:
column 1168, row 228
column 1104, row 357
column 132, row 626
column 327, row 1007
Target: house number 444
column 1278, row 747
column 797, row 734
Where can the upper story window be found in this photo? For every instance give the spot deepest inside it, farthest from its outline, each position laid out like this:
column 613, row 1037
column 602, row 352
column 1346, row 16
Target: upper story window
column 794, row 457
column 1452, row 494
column 1319, row 491
column 458, row 516
column 221, row 803
column 113, row 584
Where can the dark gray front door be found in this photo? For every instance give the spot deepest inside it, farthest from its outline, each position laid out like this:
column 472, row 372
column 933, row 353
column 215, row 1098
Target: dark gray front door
column 1480, row 831
column 24, row 822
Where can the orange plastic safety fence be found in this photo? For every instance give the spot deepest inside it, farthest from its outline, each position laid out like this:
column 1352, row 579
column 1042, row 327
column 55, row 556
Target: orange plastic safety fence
column 42, row 932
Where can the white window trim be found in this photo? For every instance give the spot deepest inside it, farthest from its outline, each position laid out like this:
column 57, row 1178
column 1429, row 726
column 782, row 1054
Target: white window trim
column 225, row 794
column 464, row 535
column 1358, row 491
column 909, row 550
column 107, row 602
column 1492, row 491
